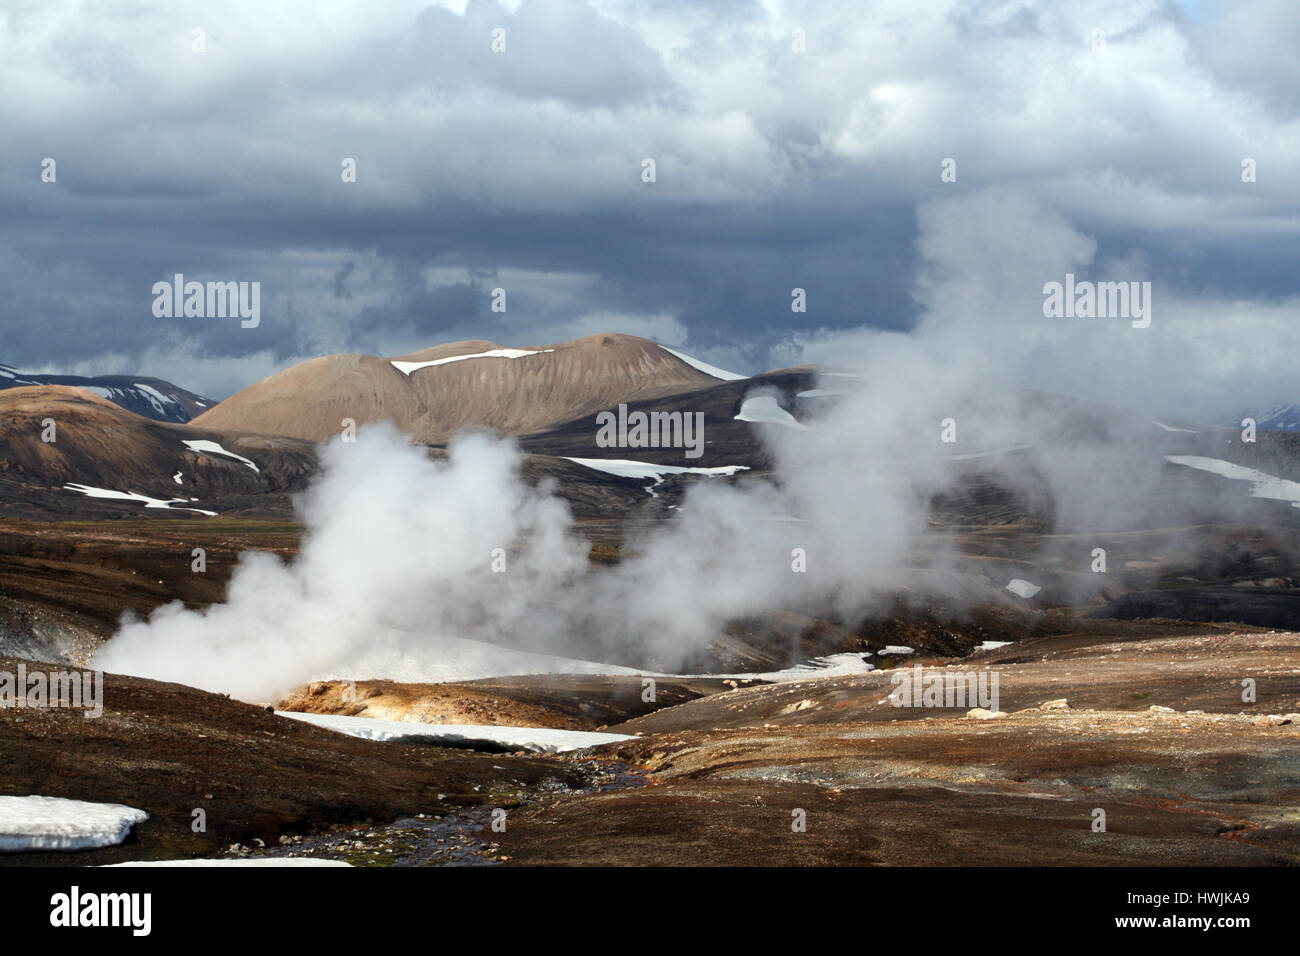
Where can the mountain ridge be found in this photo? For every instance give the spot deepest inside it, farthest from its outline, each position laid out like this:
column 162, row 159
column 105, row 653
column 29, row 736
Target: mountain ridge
column 145, row 395
column 434, row 392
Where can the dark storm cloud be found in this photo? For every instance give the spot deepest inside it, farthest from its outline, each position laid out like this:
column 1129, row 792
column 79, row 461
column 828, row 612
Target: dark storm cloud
column 522, row 169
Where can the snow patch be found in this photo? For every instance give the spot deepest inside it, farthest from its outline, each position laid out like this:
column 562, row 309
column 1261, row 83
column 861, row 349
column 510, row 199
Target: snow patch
column 406, row 368
column 213, row 448
column 536, row 739
column 1022, row 588
column 832, row 665
column 991, row 645
column 764, row 408
column 627, row 468
column 54, row 823
column 253, row 861
column 132, row 496
column 154, row 393
column 1263, row 485
column 1171, row 428
column 705, row 367
column 157, row 399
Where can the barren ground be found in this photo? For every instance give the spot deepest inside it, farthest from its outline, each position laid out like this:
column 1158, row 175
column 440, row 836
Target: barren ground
column 718, row 772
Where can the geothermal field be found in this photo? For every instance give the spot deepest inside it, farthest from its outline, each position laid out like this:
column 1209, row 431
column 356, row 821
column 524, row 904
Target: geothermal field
column 454, row 448
column 1064, row 637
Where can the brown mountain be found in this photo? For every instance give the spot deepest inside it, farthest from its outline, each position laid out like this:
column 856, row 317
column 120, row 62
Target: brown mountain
column 100, row 446
column 125, row 466
column 435, row 392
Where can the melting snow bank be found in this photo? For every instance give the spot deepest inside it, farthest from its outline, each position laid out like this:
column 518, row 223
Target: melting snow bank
column 764, row 408
column 1263, row 485
column 53, row 823
column 157, row 399
column 213, row 448
column 832, row 665
column 406, row 368
column 992, row 645
column 132, row 496
column 1022, row 588
column 254, row 861
column 705, row 367
column 627, row 468
column 536, row 739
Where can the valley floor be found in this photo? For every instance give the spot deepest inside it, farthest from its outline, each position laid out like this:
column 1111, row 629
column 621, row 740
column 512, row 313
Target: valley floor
column 1144, row 722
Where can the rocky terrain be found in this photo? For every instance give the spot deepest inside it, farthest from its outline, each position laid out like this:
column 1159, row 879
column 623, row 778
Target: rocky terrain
column 172, row 749
column 1145, row 723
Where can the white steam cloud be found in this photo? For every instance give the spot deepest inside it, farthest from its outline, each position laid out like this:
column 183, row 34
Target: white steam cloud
column 397, row 562
column 395, row 542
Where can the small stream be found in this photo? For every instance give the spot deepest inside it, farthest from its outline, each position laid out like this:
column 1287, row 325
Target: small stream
column 462, row 837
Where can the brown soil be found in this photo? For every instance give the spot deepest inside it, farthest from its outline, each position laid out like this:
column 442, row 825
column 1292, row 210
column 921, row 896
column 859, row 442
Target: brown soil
column 65, row 585
column 944, row 792
column 1108, row 666
column 887, row 786
column 876, row 785
column 566, row 701
column 169, row 749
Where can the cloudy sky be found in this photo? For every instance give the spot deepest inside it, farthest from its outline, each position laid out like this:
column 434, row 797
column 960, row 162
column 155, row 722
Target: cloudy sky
column 1104, row 139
